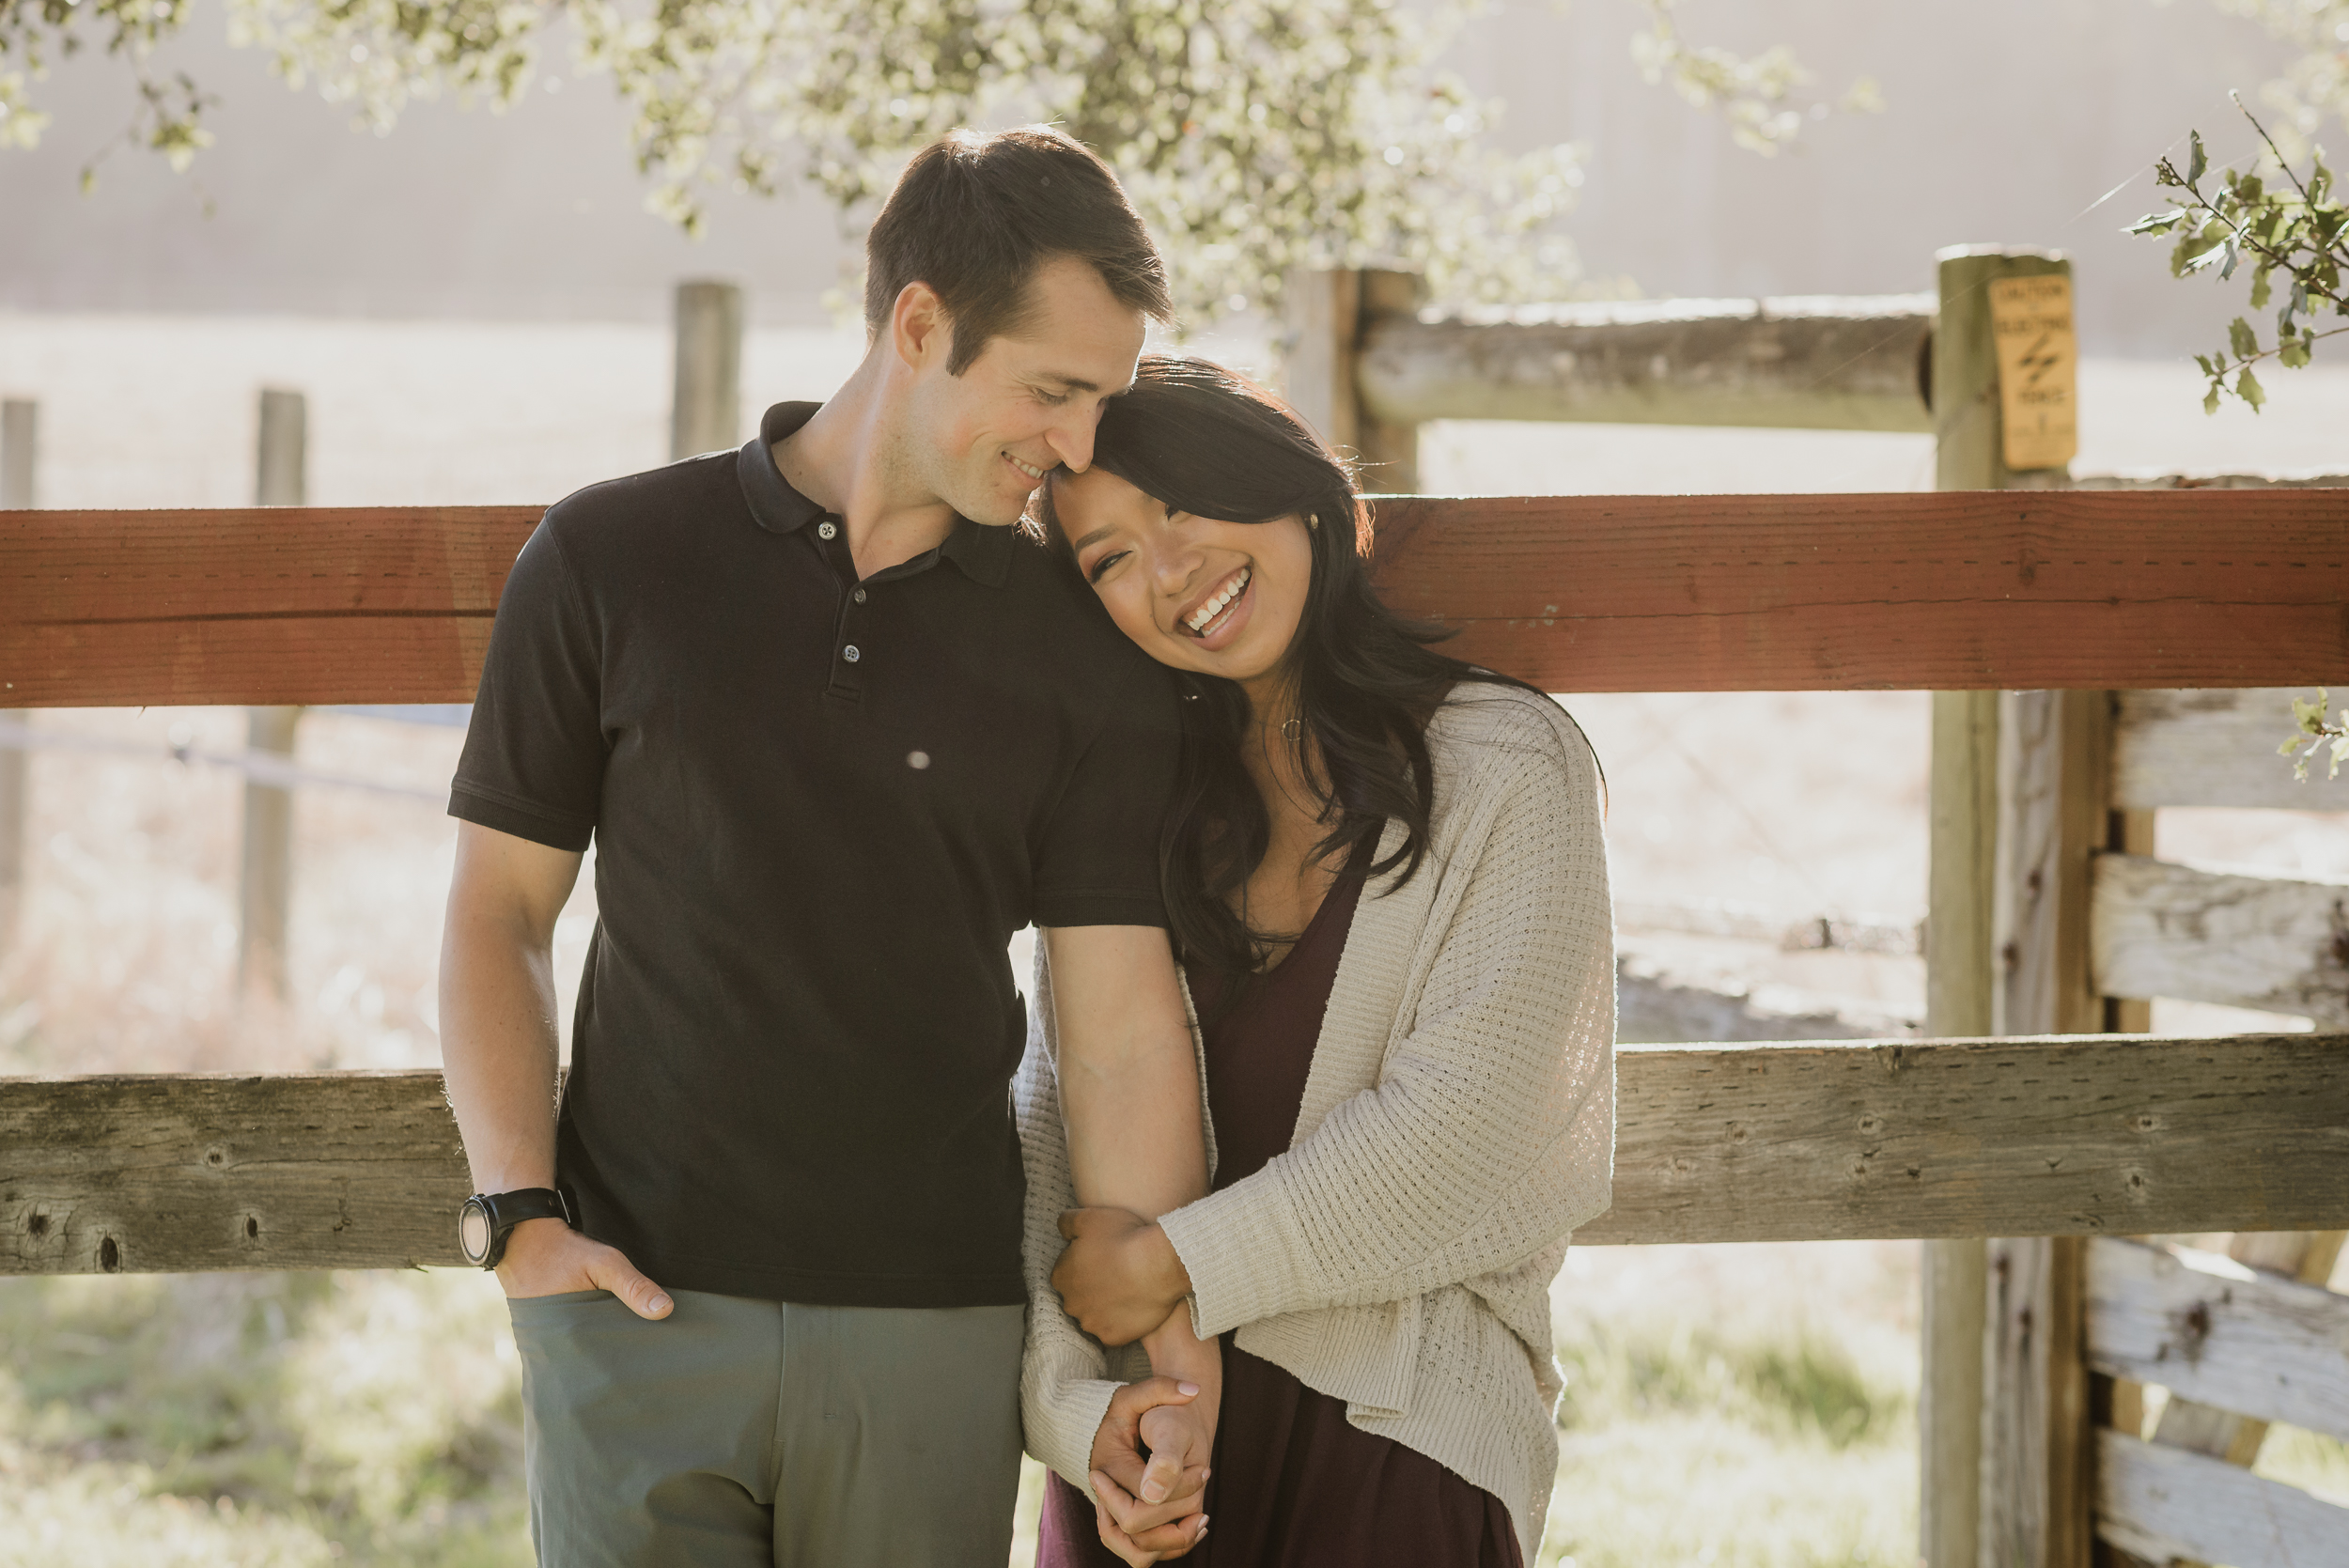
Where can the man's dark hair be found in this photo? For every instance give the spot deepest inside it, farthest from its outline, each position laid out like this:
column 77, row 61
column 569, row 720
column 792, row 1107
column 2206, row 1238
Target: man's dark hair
column 974, row 216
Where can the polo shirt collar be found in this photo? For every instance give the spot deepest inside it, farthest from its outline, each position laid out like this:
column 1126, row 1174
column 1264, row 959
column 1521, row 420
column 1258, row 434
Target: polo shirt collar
column 774, row 504
column 982, row 552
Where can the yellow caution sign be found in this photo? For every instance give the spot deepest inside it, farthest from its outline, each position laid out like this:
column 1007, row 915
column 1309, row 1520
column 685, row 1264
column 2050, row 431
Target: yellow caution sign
column 2030, row 320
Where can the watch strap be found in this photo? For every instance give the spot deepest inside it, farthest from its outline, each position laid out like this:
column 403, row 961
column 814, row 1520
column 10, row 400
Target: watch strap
column 509, row 1209
column 503, row 1211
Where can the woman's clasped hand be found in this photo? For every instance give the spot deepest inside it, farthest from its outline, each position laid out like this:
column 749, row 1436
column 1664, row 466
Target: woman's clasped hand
column 1119, row 1276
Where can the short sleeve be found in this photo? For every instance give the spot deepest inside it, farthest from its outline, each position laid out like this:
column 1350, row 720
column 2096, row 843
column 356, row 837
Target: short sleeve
column 534, row 757
column 1099, row 862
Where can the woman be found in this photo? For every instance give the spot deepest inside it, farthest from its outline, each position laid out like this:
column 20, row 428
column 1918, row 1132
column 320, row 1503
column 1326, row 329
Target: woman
column 1386, row 880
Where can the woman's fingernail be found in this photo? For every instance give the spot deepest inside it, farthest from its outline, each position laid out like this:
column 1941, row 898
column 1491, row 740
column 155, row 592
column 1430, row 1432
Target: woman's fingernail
column 1186, row 1389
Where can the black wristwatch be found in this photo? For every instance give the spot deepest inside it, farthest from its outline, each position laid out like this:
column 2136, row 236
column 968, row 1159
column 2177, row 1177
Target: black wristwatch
column 487, row 1218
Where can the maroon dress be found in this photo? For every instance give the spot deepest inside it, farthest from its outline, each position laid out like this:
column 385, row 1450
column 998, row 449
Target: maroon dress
column 1295, row 1484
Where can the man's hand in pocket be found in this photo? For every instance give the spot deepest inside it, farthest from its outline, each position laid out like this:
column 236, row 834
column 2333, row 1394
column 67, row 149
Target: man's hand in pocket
column 546, row 1257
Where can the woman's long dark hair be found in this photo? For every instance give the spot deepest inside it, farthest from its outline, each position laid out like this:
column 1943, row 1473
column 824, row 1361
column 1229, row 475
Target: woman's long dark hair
column 1200, row 439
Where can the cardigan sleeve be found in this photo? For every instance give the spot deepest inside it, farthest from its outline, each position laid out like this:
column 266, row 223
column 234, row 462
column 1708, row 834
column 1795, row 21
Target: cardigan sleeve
column 1490, row 1133
column 1065, row 1379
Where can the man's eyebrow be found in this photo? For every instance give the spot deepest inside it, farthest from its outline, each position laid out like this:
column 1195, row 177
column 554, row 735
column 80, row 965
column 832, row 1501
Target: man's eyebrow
column 1074, row 383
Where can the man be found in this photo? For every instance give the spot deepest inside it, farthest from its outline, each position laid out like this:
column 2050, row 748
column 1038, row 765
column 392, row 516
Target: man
column 837, row 732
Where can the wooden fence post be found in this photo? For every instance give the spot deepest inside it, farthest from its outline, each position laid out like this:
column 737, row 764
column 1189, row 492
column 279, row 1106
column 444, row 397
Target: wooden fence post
column 1327, row 314
column 1967, row 431
column 1390, row 449
column 2004, row 1445
column 2038, row 1443
column 265, row 888
column 705, row 412
column 1958, row 965
column 1322, row 310
column 20, row 424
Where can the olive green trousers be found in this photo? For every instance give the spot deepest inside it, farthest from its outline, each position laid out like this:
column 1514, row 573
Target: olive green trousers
column 736, row 1433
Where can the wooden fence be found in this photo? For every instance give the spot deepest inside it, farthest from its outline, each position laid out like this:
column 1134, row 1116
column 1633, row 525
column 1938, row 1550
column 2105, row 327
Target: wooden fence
column 2047, row 910
column 2056, row 626
column 2049, row 1140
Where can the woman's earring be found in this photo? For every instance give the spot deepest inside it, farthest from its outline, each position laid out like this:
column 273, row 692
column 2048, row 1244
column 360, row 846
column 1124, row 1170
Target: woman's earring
column 1312, row 521
column 1292, row 728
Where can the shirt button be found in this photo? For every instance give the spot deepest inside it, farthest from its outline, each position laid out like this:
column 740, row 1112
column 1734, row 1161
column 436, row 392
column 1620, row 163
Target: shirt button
column 825, row 531
column 858, row 596
column 850, row 654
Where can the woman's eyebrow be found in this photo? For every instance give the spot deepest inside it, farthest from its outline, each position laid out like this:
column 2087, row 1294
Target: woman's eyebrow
column 1101, row 533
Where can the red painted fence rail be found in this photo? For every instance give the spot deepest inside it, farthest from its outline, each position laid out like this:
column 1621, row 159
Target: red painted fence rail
column 1946, row 591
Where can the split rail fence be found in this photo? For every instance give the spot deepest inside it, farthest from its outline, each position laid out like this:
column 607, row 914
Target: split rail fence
column 2050, row 1138
column 2048, row 910
column 2096, row 654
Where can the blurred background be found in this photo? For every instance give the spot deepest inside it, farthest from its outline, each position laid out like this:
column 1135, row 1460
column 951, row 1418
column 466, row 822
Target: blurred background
column 474, row 304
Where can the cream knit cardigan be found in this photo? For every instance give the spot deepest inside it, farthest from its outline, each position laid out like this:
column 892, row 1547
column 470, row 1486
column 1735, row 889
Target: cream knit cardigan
column 1458, row 1124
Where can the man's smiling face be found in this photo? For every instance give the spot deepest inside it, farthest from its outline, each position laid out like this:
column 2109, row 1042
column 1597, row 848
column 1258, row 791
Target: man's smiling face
column 1029, row 402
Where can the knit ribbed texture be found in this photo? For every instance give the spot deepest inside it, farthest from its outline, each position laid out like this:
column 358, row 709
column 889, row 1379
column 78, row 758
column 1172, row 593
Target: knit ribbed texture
column 1458, row 1124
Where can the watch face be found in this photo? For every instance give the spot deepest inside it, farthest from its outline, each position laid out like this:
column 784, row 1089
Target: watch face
column 473, row 1231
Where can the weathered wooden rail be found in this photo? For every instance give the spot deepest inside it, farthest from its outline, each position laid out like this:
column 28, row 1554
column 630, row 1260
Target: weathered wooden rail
column 2095, row 1134
column 2238, row 1348
column 1831, row 364
column 1960, row 590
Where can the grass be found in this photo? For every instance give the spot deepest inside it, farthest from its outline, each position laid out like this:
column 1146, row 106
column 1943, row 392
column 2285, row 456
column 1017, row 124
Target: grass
column 1737, row 1408
column 374, row 1418
column 264, row 1419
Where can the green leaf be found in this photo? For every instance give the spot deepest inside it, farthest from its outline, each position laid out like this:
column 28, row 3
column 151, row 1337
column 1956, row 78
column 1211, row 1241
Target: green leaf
column 2241, row 339
column 2248, row 387
column 2210, row 365
column 2260, row 291
column 2156, row 223
column 2196, row 160
column 2210, row 398
column 2233, row 256
column 2194, row 253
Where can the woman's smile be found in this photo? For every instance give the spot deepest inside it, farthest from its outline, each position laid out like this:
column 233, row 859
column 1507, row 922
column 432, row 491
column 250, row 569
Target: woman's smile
column 1216, row 616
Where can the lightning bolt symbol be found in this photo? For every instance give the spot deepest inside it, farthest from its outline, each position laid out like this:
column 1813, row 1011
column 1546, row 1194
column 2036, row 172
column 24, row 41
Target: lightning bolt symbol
column 2036, row 359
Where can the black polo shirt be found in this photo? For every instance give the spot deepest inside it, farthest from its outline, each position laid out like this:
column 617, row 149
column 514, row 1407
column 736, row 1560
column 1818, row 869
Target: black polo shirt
column 820, row 808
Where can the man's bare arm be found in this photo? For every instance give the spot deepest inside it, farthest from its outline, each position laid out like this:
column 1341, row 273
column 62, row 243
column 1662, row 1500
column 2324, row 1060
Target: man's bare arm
column 1128, row 1074
column 499, row 1045
column 1130, row 1098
